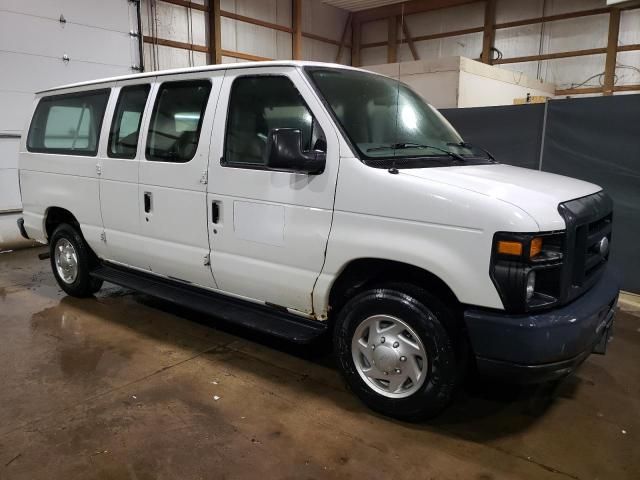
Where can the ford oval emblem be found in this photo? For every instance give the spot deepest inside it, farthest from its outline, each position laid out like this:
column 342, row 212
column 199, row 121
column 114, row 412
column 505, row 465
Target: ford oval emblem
column 603, row 247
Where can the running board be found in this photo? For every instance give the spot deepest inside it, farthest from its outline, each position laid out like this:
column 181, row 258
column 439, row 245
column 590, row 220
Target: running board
column 270, row 320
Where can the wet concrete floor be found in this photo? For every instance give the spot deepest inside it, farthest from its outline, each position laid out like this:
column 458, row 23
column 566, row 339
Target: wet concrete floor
column 127, row 386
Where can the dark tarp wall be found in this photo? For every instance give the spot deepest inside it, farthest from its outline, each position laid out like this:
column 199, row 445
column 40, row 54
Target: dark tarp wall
column 598, row 140
column 512, row 134
column 594, row 139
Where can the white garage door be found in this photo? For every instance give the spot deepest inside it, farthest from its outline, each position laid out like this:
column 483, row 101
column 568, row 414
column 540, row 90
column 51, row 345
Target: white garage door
column 44, row 43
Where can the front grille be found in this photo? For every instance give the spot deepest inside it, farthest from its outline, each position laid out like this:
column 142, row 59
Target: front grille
column 589, row 221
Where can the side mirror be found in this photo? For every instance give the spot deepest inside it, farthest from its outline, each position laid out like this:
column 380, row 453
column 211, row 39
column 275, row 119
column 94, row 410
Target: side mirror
column 284, row 153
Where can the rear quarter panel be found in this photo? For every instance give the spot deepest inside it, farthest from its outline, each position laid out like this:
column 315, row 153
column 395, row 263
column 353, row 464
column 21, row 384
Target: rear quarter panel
column 54, row 180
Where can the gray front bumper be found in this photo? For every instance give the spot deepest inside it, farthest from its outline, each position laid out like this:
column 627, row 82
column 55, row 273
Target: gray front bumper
column 548, row 344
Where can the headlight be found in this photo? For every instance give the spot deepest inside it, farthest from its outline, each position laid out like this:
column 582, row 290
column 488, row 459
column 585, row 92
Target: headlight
column 526, row 269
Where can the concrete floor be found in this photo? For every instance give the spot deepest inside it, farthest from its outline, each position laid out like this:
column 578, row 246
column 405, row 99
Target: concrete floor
column 126, row 386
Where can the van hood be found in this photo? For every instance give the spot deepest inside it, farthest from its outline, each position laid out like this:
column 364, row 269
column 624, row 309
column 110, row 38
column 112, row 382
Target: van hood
column 537, row 193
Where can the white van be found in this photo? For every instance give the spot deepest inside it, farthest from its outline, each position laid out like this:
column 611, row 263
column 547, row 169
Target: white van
column 303, row 199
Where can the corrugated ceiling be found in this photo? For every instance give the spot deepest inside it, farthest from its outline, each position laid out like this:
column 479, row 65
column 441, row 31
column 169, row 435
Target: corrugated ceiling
column 356, row 5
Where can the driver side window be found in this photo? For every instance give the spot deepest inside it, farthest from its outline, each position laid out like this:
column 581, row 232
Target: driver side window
column 257, row 105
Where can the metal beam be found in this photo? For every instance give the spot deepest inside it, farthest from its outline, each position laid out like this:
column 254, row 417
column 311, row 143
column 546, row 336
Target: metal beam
column 489, row 31
column 188, row 4
column 551, row 56
column 320, row 38
column 255, row 21
column 215, row 39
column 552, row 18
column 408, row 7
column 392, row 39
column 432, row 36
column 244, row 56
column 343, row 39
column 175, row 44
column 612, row 51
column 409, row 40
column 297, row 30
column 356, row 33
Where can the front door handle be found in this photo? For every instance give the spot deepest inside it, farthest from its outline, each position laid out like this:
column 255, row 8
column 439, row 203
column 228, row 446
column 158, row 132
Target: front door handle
column 147, row 202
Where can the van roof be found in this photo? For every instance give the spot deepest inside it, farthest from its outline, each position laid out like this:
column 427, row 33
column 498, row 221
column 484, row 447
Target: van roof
column 204, row 68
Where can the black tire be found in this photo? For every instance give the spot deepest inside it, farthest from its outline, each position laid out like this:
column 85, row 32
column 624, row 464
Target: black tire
column 84, row 285
column 427, row 316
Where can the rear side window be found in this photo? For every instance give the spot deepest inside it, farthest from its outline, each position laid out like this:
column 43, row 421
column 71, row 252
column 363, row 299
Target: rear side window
column 257, row 105
column 175, row 124
column 125, row 126
column 68, row 124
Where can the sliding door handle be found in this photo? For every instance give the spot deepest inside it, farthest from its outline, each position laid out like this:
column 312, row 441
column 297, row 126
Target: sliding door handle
column 147, row 202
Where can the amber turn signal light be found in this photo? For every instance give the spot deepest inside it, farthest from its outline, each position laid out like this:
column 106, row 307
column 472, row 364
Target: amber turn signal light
column 536, row 247
column 509, row 248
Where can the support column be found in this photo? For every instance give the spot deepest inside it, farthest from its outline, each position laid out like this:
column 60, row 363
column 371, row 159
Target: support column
column 215, row 42
column 612, row 52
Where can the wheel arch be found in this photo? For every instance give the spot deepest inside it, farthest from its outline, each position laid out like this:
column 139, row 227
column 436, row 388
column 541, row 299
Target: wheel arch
column 363, row 273
column 54, row 216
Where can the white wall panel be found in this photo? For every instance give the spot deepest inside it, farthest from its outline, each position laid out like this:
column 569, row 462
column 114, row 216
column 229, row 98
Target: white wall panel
column 54, row 39
column 199, row 31
column 228, row 34
column 519, row 41
column 103, row 14
column 31, row 73
column 253, row 39
column 375, row 31
column 257, row 40
column 629, row 27
column 526, row 69
column 166, row 57
column 322, row 19
column 95, row 37
column 557, row 7
column 99, row 13
column 446, row 19
column 513, row 10
column 570, row 72
column 577, row 34
column 319, row 51
column 15, row 108
column 274, row 11
column 200, row 58
column 9, row 190
column 171, row 22
column 469, row 45
column 373, row 56
column 628, row 68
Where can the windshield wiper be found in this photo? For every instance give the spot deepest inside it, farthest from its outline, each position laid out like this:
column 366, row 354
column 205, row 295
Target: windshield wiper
column 471, row 147
column 406, row 145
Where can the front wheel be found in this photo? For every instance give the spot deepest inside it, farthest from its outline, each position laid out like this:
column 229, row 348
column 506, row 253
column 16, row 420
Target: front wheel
column 71, row 262
column 395, row 353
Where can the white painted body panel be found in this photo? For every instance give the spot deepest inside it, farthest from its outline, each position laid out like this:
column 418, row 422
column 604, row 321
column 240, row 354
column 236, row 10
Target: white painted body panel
column 119, row 190
column 65, row 181
column 283, row 238
column 174, row 233
column 271, row 238
column 538, row 193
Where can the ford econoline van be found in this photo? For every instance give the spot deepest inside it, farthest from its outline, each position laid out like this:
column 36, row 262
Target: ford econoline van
column 307, row 199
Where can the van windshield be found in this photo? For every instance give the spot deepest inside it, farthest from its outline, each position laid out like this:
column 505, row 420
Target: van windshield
column 389, row 123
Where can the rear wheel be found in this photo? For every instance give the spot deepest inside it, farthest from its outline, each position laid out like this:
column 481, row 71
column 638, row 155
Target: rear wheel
column 71, row 262
column 395, row 352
